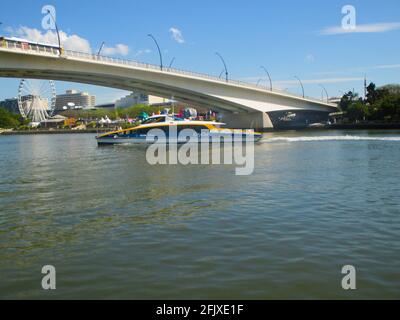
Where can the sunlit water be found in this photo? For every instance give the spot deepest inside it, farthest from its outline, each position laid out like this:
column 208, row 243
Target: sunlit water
column 117, row 227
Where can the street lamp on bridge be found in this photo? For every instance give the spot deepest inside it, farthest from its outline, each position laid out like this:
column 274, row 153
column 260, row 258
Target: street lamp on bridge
column 101, row 47
column 269, row 77
column 326, row 92
column 58, row 34
column 223, row 61
column 159, row 51
column 301, row 83
column 172, row 61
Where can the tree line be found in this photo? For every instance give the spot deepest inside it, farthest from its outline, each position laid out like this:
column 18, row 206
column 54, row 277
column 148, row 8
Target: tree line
column 379, row 105
column 117, row 113
column 9, row 120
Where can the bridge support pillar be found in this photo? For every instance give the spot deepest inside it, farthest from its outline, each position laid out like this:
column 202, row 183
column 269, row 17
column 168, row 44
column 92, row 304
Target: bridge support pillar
column 254, row 120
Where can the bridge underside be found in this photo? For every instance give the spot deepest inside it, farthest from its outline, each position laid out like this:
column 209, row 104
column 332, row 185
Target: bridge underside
column 238, row 106
column 234, row 116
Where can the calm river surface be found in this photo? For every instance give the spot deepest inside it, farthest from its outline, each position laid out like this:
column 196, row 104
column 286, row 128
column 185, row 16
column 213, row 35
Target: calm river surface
column 117, row 227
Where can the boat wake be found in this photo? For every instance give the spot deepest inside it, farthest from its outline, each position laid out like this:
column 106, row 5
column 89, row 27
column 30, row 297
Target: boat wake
column 328, row 138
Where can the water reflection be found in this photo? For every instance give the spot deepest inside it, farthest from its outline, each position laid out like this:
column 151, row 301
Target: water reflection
column 119, row 227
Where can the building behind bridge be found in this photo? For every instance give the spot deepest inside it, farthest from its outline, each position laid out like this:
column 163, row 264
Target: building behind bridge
column 137, row 97
column 77, row 98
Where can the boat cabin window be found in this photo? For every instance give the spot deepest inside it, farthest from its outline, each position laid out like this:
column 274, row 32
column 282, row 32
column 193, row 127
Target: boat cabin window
column 197, row 128
column 154, row 120
column 142, row 131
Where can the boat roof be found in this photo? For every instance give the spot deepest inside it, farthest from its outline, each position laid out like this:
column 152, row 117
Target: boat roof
column 213, row 124
column 178, row 120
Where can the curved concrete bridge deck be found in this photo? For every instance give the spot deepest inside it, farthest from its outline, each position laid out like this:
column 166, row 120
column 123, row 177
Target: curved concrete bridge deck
column 241, row 105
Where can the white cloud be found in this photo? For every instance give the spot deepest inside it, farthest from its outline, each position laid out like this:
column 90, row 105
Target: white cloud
column 289, row 83
column 310, row 58
column 388, row 66
column 362, row 28
column 176, row 34
column 319, row 81
column 70, row 42
column 294, row 82
column 75, row 43
column 142, row 51
column 121, row 49
column 9, row 29
column 359, row 69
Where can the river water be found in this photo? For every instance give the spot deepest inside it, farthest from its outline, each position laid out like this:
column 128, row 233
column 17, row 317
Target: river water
column 115, row 226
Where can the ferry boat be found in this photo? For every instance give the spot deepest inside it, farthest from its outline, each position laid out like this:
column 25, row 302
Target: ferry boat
column 202, row 129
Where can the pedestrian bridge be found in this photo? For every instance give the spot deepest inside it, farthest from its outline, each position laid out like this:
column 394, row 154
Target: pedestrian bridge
column 240, row 104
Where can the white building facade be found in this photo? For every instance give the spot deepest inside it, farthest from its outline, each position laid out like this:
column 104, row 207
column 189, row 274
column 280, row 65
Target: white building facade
column 137, row 97
column 77, row 98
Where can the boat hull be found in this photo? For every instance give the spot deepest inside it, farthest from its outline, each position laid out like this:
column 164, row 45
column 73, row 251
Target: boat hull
column 170, row 140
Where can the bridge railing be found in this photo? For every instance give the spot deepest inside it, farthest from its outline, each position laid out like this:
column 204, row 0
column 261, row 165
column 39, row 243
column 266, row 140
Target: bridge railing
column 51, row 50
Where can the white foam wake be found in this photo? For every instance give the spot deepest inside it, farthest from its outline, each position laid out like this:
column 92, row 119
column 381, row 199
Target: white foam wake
column 328, row 138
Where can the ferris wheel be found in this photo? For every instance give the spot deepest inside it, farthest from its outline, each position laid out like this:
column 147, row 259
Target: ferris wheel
column 36, row 99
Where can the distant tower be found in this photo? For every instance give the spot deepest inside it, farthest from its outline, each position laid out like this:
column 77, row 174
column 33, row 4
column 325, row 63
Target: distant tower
column 365, row 87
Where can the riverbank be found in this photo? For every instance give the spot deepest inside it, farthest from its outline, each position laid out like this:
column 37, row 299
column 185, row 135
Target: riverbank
column 364, row 126
column 342, row 126
column 57, row 131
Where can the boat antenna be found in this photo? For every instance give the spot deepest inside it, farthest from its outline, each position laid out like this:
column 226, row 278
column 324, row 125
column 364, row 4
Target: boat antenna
column 173, row 105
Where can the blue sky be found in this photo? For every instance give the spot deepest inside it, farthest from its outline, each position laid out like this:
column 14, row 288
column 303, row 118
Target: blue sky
column 287, row 37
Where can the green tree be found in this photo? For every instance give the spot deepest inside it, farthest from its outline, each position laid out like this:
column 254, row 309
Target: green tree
column 381, row 104
column 9, row 120
column 387, row 108
column 372, row 93
column 347, row 100
column 357, row 111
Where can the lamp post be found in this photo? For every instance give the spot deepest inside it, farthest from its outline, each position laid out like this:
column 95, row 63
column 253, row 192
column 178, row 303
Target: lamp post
column 172, row 61
column 58, row 34
column 302, row 87
column 159, row 51
column 101, row 47
column 223, row 61
column 269, row 77
column 326, row 92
